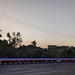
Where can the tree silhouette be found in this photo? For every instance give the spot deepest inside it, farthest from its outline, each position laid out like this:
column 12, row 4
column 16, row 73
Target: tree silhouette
column 14, row 39
column 34, row 43
column 0, row 34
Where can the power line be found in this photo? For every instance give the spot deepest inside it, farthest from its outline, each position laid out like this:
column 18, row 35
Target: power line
column 19, row 21
column 29, row 25
column 22, row 23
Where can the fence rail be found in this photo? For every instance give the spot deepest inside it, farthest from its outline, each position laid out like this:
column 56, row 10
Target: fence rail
column 35, row 60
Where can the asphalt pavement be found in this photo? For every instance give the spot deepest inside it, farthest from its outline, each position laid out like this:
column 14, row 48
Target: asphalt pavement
column 38, row 69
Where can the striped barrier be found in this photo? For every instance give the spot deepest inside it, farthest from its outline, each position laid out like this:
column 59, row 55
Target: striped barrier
column 35, row 60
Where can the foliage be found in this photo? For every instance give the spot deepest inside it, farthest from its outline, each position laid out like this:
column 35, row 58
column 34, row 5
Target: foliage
column 15, row 39
column 9, row 49
column 0, row 34
column 34, row 43
column 38, row 54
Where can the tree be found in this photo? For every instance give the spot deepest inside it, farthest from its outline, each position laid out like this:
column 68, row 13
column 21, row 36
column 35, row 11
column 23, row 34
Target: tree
column 34, row 43
column 38, row 54
column 0, row 34
column 48, row 54
column 23, row 52
column 14, row 39
column 65, row 53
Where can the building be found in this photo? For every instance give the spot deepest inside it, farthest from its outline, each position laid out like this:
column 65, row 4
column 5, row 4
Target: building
column 66, row 47
column 57, row 47
column 52, row 46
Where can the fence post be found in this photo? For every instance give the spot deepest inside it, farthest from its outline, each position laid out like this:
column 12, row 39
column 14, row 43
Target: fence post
column 33, row 61
column 19, row 62
column 0, row 62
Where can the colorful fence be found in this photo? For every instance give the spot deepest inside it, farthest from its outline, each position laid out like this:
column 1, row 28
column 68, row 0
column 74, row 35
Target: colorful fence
column 34, row 60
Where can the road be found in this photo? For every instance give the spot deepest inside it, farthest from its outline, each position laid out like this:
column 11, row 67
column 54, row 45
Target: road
column 38, row 69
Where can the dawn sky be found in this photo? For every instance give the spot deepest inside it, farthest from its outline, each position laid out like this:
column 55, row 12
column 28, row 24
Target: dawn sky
column 49, row 22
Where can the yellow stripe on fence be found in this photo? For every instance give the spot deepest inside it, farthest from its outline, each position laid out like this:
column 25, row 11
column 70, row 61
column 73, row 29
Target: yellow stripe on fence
column 0, row 62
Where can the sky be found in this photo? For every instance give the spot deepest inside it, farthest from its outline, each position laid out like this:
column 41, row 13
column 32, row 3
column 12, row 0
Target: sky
column 49, row 22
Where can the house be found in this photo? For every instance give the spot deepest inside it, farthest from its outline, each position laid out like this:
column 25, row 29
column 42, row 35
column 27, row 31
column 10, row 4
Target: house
column 66, row 47
column 52, row 46
column 57, row 47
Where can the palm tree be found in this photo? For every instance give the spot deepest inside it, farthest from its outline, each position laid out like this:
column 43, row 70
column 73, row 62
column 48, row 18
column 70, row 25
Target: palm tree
column 34, row 43
column 0, row 34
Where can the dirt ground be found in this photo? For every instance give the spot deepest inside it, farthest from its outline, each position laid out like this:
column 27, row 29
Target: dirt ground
column 38, row 69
